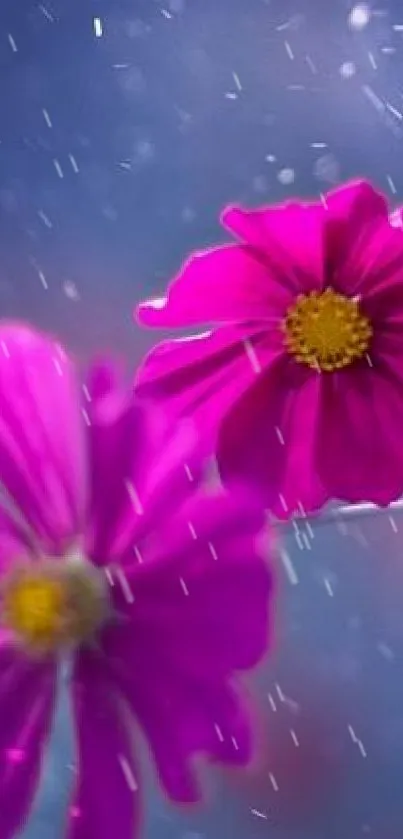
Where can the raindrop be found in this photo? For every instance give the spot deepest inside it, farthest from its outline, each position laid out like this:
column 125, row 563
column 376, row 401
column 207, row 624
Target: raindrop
column 347, row 70
column 359, row 16
column 327, row 169
column 71, row 291
column 286, row 176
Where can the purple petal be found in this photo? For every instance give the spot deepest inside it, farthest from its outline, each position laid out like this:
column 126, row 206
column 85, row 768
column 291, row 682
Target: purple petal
column 362, row 427
column 289, row 239
column 41, row 435
column 117, row 441
column 16, row 541
column 176, row 467
column 355, row 204
column 105, row 378
column 205, row 375
column 354, row 212
column 27, row 701
column 200, row 614
column 140, row 467
column 106, row 801
column 228, row 283
column 270, row 438
column 379, row 272
column 365, row 251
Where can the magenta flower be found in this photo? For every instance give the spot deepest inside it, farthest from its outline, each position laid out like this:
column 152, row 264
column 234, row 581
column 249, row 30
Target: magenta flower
column 157, row 590
column 301, row 386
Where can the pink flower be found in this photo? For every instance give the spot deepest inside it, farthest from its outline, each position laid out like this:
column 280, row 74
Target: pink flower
column 156, row 590
column 301, row 385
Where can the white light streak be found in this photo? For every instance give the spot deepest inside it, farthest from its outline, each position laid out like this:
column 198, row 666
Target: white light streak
column 259, row 814
column 188, row 472
column 385, row 651
column 289, row 568
column 273, row 782
column 289, row 50
column 184, row 586
column 98, row 28
column 250, row 352
column 213, row 551
column 128, row 773
column 47, row 118
column 74, row 164
column 46, row 220
column 272, row 703
column 391, row 185
column 124, row 584
column 280, row 436
column 294, row 737
column 192, row 530
column 12, row 43
column 310, row 64
column 393, row 524
column 58, row 168
column 46, row 13
column 219, row 733
column 134, row 498
column 43, row 280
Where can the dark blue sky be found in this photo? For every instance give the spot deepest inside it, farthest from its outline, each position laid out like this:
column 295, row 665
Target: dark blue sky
column 116, row 154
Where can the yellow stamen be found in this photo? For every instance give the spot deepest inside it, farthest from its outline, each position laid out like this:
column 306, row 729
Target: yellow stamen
column 33, row 607
column 326, row 330
column 52, row 604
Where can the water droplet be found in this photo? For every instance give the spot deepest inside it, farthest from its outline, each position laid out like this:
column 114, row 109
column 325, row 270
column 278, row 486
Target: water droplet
column 359, row 16
column 286, row 176
column 71, row 291
column 347, row 70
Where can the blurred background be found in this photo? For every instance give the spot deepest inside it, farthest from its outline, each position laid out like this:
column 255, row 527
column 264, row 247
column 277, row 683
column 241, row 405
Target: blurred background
column 125, row 125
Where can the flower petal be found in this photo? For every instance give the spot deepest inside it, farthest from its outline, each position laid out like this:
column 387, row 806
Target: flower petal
column 27, row 701
column 140, row 466
column 363, row 249
column 379, row 273
column 200, row 613
column 226, row 284
column 270, row 438
column 106, row 798
column 17, row 543
column 105, row 378
column 352, row 211
column 203, row 376
column 362, row 426
column 289, row 239
column 41, row 435
column 117, row 437
column 355, row 205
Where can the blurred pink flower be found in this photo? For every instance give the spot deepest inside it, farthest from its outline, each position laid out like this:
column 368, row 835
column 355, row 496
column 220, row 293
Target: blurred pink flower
column 301, row 385
column 158, row 591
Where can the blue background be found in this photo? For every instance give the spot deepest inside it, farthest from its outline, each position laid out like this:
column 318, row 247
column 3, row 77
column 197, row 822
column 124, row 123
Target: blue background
column 116, row 154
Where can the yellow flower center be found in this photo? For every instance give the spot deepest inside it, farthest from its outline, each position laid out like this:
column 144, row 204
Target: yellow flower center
column 326, row 330
column 53, row 605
